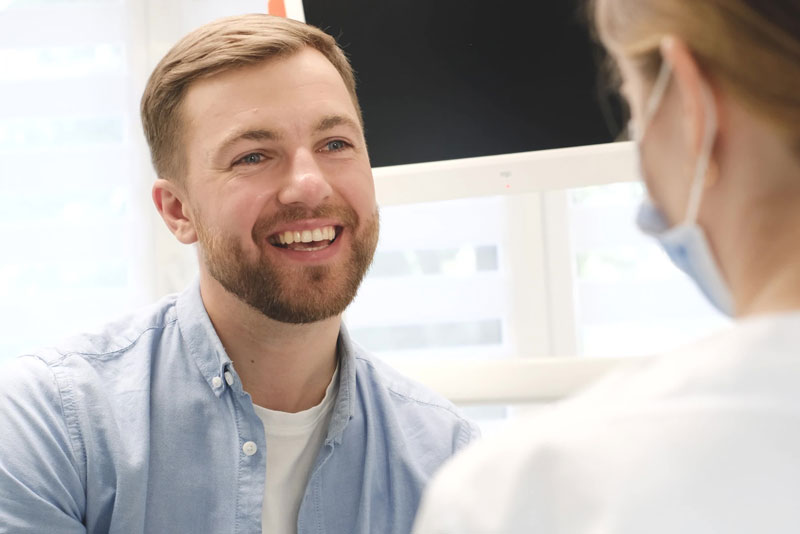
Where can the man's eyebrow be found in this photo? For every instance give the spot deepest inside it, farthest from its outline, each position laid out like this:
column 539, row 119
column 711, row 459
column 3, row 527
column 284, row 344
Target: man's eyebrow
column 251, row 135
column 326, row 123
column 331, row 121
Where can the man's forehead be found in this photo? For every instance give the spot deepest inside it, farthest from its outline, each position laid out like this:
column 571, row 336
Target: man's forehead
column 322, row 120
column 307, row 66
column 258, row 115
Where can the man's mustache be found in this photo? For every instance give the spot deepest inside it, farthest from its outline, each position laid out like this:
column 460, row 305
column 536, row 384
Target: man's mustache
column 264, row 227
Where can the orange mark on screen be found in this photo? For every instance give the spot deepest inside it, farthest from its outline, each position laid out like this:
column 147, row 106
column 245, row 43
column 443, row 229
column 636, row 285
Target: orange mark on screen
column 277, row 8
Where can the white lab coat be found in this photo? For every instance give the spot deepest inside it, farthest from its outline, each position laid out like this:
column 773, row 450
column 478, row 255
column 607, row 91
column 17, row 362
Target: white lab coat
column 702, row 441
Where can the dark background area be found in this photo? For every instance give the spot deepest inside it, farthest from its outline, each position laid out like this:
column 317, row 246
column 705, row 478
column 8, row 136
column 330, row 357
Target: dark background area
column 445, row 79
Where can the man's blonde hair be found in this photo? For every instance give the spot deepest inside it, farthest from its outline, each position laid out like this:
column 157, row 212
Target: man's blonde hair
column 219, row 46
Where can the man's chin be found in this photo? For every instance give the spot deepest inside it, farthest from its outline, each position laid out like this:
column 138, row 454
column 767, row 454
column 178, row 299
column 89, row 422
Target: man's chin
column 293, row 299
column 300, row 309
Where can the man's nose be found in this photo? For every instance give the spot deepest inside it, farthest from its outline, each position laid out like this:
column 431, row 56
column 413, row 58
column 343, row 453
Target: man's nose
column 306, row 183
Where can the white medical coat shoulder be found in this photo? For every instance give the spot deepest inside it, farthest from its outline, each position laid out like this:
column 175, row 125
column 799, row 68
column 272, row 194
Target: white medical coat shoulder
column 703, row 440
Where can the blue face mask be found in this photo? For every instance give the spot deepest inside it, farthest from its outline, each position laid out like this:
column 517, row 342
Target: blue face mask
column 686, row 243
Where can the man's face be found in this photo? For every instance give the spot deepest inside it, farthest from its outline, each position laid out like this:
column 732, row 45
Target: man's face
column 279, row 186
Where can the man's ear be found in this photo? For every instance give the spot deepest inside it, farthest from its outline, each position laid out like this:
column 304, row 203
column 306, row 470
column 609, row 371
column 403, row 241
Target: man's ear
column 170, row 203
column 691, row 84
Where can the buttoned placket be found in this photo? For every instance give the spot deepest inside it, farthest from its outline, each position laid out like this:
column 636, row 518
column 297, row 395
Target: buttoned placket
column 244, row 426
column 310, row 514
column 310, row 517
column 251, row 452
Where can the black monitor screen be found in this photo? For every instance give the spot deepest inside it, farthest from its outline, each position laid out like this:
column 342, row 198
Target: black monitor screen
column 445, row 79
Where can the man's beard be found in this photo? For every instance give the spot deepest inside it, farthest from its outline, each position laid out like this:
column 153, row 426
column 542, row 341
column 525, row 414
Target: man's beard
column 286, row 293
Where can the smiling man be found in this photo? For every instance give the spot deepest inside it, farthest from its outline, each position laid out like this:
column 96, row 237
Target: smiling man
column 240, row 405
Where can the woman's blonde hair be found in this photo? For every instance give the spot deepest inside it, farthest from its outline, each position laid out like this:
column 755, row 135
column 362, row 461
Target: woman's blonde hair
column 750, row 47
column 219, row 46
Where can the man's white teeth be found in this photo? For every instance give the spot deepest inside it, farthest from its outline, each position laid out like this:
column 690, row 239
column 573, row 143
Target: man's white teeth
column 326, row 233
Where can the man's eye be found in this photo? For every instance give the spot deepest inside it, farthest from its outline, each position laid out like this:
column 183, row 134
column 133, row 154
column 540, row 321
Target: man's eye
column 336, row 145
column 250, row 159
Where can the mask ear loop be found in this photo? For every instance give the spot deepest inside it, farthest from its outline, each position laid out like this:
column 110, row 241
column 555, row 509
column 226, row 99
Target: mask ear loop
column 710, row 133
column 652, row 104
column 659, row 88
column 650, row 108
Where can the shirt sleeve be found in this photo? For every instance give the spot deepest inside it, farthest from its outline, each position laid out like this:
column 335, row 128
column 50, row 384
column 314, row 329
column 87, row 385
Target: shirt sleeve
column 41, row 487
column 468, row 433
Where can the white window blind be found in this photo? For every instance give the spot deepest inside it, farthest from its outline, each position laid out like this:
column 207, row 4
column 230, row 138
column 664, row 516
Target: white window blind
column 69, row 218
column 630, row 299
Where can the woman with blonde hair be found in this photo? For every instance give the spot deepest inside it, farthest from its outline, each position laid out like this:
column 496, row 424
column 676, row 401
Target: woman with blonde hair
column 706, row 439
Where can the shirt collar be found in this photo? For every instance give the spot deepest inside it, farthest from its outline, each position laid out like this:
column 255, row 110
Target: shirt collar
column 205, row 347
column 200, row 337
column 345, row 405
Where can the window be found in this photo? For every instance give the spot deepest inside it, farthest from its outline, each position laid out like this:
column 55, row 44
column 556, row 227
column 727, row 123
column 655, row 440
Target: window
column 538, row 258
column 69, row 214
column 440, row 284
column 630, row 300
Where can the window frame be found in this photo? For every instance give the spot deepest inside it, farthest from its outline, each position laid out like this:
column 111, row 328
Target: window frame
column 551, row 370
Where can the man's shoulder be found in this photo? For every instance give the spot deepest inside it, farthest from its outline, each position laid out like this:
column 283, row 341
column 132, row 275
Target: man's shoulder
column 112, row 339
column 409, row 397
column 382, row 375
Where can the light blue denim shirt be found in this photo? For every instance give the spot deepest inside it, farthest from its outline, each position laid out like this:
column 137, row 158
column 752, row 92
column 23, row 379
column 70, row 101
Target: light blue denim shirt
column 138, row 429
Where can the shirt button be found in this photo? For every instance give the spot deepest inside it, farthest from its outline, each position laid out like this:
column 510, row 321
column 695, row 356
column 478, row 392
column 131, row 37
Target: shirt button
column 216, row 382
column 249, row 448
column 229, row 378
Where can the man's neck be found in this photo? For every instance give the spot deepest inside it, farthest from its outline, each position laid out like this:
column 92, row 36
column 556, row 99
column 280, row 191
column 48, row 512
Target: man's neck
column 284, row 367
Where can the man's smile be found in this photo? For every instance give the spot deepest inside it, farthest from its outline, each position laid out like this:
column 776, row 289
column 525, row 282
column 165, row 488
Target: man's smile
column 303, row 239
column 306, row 239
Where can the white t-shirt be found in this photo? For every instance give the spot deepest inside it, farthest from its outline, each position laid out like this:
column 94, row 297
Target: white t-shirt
column 293, row 442
column 702, row 441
